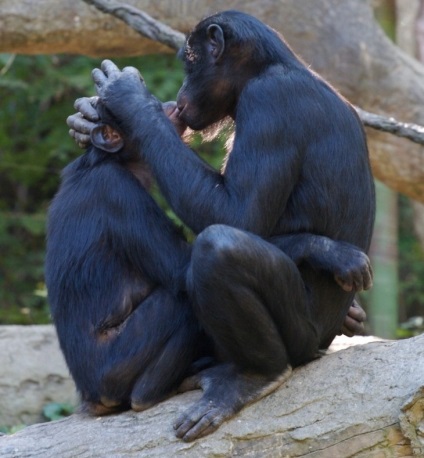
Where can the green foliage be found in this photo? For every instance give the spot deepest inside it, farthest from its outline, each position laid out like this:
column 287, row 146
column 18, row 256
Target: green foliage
column 36, row 95
column 56, row 411
column 51, row 412
column 411, row 264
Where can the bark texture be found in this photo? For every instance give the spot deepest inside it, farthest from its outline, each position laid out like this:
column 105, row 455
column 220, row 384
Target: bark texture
column 364, row 401
column 33, row 373
column 338, row 39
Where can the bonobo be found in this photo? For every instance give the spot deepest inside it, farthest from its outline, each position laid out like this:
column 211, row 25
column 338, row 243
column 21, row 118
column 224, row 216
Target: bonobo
column 115, row 275
column 282, row 228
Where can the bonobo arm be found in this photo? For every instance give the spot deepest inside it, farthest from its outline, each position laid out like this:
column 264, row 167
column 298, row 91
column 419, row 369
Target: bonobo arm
column 350, row 266
column 258, row 179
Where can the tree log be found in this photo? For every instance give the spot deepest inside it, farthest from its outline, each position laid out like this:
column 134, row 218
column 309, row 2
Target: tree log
column 364, row 401
column 33, row 373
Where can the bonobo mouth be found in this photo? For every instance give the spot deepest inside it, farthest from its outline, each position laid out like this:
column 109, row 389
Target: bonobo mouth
column 180, row 110
column 170, row 109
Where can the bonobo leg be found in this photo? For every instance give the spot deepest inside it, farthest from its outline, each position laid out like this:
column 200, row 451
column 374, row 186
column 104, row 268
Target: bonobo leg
column 149, row 357
column 250, row 298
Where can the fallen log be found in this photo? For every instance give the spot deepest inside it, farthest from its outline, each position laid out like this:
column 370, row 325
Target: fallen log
column 363, row 401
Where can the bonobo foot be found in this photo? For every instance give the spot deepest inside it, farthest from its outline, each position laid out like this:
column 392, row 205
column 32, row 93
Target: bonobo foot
column 225, row 392
column 354, row 322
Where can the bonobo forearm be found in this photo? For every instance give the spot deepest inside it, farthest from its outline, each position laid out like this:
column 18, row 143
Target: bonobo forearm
column 298, row 247
column 191, row 186
column 349, row 265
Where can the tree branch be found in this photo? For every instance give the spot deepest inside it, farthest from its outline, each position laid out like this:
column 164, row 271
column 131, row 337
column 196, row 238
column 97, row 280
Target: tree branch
column 155, row 30
column 141, row 22
column 412, row 132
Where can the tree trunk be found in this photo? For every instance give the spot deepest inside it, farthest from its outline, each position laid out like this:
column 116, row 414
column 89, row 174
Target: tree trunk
column 365, row 401
column 416, row 47
column 340, row 40
column 383, row 297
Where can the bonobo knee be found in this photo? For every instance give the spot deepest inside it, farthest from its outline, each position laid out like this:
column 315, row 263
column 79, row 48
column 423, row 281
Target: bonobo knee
column 216, row 246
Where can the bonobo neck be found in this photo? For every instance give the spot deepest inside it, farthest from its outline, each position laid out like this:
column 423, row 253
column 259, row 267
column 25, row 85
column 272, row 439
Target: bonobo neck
column 142, row 172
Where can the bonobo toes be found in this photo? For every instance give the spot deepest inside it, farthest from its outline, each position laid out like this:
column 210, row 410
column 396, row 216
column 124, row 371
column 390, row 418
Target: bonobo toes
column 104, row 407
column 354, row 322
column 225, row 392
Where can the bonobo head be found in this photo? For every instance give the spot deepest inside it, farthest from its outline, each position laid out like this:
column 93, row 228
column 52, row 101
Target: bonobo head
column 220, row 56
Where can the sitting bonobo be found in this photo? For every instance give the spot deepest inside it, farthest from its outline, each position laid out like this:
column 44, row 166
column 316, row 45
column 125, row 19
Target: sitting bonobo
column 115, row 272
column 281, row 230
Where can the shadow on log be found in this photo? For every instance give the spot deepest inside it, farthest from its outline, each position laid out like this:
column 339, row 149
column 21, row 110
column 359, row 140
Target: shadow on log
column 363, row 401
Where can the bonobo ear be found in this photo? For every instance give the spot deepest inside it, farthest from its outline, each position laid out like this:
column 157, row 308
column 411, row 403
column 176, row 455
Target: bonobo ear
column 216, row 41
column 106, row 138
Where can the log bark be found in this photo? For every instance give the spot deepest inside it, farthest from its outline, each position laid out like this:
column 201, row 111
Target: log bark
column 364, row 401
column 33, row 373
column 338, row 39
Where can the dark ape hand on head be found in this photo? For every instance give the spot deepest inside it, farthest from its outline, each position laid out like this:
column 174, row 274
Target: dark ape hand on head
column 87, row 118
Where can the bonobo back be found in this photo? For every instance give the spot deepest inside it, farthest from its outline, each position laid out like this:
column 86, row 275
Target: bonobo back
column 107, row 282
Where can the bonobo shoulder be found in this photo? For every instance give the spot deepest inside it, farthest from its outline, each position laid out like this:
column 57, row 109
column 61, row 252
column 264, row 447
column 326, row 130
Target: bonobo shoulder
column 298, row 82
column 282, row 89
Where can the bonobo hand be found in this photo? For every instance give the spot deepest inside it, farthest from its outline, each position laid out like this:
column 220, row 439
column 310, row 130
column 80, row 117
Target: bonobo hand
column 86, row 119
column 83, row 122
column 350, row 266
column 114, row 86
column 355, row 273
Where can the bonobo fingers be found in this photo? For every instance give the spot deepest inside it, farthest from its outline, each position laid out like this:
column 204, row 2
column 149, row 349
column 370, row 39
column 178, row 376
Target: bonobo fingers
column 225, row 392
column 106, row 74
column 80, row 129
column 133, row 71
column 87, row 107
column 80, row 124
column 202, row 419
column 368, row 275
column 357, row 312
column 110, row 69
column 83, row 141
column 100, row 80
column 356, row 274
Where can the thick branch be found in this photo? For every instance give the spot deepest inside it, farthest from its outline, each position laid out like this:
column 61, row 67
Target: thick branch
column 363, row 401
column 141, row 22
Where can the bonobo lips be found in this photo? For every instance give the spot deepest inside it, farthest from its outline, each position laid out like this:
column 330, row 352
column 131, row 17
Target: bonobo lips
column 170, row 109
column 180, row 109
